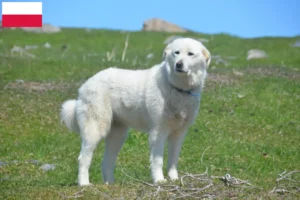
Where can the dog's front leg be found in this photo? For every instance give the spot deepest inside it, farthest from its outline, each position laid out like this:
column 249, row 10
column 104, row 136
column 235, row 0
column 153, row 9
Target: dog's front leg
column 156, row 145
column 174, row 146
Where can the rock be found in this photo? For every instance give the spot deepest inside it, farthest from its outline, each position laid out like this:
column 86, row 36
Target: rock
column 16, row 49
column 296, row 44
column 149, row 56
column 219, row 60
column 47, row 167
column 203, row 40
column 20, row 81
column 241, row 95
column 46, row 28
column 2, row 163
column 15, row 162
column 256, row 54
column 47, row 45
column 21, row 51
column 160, row 25
column 4, row 178
column 171, row 38
column 35, row 162
column 28, row 47
column 237, row 73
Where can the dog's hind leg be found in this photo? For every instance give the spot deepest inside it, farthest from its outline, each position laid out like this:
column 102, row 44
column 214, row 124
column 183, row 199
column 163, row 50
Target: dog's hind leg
column 92, row 130
column 114, row 142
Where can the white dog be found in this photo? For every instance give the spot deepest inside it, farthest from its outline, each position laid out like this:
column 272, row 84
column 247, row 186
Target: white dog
column 163, row 101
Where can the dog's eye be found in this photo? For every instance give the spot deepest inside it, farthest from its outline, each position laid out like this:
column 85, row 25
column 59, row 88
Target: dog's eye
column 177, row 52
column 190, row 54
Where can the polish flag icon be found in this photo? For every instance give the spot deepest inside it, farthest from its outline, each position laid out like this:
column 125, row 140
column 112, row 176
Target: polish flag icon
column 22, row 14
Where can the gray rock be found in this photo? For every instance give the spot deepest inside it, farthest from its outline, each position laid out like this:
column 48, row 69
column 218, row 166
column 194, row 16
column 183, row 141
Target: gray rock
column 35, row 162
column 47, row 45
column 21, row 51
column 256, row 54
column 14, row 162
column 47, row 167
column 219, row 60
column 5, row 178
column 149, row 56
column 296, row 44
column 17, row 49
column 28, row 47
column 2, row 163
column 171, row 38
column 46, row 28
column 203, row 40
column 160, row 25
column 20, row 81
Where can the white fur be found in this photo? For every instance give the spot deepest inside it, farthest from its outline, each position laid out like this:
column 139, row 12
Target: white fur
column 114, row 100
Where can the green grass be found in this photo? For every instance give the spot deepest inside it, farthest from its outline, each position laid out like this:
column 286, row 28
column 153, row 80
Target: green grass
column 251, row 123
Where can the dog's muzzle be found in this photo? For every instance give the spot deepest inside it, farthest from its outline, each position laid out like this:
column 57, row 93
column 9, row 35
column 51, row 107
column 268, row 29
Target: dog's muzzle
column 179, row 67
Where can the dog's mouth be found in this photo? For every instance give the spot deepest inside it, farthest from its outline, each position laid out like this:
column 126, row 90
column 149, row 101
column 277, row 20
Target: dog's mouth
column 181, row 70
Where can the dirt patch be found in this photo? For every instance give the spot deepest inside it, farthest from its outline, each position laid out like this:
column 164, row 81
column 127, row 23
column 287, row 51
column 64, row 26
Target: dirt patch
column 221, row 78
column 292, row 74
column 39, row 86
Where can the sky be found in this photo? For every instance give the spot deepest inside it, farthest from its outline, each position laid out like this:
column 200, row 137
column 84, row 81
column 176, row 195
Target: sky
column 244, row 18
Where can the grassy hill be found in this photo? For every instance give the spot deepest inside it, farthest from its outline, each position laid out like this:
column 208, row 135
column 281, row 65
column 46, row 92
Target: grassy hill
column 249, row 120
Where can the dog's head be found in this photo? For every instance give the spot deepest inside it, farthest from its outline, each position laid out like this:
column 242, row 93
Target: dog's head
column 186, row 61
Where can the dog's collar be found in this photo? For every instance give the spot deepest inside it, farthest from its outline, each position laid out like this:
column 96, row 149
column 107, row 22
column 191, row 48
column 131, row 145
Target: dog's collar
column 188, row 92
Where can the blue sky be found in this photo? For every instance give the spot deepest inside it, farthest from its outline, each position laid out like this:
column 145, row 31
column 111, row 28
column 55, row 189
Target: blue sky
column 248, row 18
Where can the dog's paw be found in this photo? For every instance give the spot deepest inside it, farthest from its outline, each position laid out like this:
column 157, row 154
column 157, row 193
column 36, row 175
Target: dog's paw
column 173, row 175
column 85, row 184
column 174, row 178
column 161, row 181
column 109, row 182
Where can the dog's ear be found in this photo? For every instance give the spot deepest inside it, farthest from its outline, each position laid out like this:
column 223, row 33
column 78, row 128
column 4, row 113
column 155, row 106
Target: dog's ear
column 167, row 50
column 207, row 56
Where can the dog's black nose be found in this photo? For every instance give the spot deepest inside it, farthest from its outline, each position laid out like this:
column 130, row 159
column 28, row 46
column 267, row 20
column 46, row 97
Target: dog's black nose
column 179, row 65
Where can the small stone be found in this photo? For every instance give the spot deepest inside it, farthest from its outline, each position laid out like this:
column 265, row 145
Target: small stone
column 47, row 45
column 15, row 162
column 28, row 47
column 237, row 73
column 256, row 54
column 47, row 167
column 20, row 81
column 2, row 163
column 241, row 96
column 35, row 162
column 46, row 28
column 203, row 40
column 219, row 60
column 16, row 49
column 296, row 44
column 149, row 56
column 5, row 178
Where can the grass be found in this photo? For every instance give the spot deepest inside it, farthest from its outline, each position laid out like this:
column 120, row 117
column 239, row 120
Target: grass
column 251, row 122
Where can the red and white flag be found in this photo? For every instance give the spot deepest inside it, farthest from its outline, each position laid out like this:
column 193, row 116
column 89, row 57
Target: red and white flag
column 22, row 14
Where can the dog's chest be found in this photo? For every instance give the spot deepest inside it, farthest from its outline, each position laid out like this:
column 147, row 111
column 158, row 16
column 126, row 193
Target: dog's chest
column 180, row 114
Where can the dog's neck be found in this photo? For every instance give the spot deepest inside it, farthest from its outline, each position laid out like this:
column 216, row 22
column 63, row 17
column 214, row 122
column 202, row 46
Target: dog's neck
column 192, row 92
column 185, row 84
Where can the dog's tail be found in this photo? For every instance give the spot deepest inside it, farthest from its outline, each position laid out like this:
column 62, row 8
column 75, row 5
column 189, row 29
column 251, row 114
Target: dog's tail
column 68, row 116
